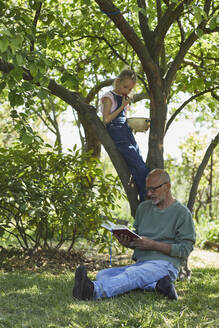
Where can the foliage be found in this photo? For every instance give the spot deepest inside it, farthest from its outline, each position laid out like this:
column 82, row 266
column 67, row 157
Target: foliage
column 49, row 198
column 183, row 172
column 73, row 43
column 207, row 231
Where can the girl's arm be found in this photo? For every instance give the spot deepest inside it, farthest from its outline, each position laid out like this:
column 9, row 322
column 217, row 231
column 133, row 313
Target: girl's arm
column 107, row 104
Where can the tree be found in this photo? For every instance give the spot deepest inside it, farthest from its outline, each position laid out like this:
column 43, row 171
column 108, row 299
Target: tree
column 49, row 47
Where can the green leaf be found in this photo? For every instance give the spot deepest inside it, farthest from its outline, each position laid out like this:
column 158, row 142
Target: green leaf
column 42, row 68
column 199, row 32
column 27, row 19
column 19, row 59
column 43, row 42
column 17, row 73
column 5, row 32
column 26, row 139
column 17, row 42
column 27, row 86
column 69, row 80
column 2, row 85
column 15, row 99
column 42, row 94
column 34, row 4
column 213, row 23
column 199, row 14
column 33, row 69
column 11, row 82
column 3, row 45
column 14, row 114
column 44, row 81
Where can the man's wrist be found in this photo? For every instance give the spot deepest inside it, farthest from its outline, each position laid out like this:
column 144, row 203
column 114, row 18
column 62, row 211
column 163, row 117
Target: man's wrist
column 161, row 247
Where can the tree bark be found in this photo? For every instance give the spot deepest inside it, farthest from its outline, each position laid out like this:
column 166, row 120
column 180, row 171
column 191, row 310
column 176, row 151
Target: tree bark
column 92, row 142
column 158, row 113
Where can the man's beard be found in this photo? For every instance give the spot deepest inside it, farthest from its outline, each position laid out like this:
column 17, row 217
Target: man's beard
column 155, row 201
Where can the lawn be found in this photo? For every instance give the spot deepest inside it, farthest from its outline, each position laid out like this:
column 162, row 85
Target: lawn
column 42, row 298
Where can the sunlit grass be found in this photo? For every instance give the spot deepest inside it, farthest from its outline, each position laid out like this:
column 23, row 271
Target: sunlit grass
column 35, row 300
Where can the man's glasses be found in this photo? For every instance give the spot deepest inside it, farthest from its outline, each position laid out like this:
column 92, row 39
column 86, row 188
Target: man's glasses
column 153, row 189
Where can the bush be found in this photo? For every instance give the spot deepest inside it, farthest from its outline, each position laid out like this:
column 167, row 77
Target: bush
column 47, row 197
column 207, row 231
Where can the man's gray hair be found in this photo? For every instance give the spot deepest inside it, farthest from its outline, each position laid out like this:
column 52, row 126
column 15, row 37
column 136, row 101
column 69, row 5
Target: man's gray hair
column 162, row 174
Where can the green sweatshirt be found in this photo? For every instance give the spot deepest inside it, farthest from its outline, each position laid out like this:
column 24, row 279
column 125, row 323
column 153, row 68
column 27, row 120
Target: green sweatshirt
column 172, row 225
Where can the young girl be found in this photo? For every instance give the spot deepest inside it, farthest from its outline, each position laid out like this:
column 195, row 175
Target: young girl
column 114, row 107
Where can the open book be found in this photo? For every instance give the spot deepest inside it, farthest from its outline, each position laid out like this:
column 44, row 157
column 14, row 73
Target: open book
column 118, row 229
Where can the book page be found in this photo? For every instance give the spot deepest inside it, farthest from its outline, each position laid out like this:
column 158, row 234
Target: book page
column 111, row 226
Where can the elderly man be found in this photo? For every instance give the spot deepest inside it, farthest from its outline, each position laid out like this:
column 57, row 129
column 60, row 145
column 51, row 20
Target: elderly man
column 167, row 237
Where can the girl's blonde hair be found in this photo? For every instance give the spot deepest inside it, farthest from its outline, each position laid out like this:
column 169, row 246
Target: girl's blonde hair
column 127, row 73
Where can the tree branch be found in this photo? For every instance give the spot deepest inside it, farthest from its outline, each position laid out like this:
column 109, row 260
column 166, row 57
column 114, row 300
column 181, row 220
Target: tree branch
column 96, row 89
column 139, row 96
column 215, row 96
column 200, row 171
column 37, row 15
column 143, row 21
column 129, row 34
column 170, row 16
column 178, row 59
column 43, row 120
column 185, row 46
column 182, row 32
column 172, row 118
column 54, row 123
column 109, row 82
column 117, row 55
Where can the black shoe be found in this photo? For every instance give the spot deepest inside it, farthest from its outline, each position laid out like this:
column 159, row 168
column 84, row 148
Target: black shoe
column 83, row 288
column 166, row 287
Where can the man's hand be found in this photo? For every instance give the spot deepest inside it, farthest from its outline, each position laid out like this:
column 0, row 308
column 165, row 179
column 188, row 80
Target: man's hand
column 143, row 243
column 146, row 243
column 124, row 240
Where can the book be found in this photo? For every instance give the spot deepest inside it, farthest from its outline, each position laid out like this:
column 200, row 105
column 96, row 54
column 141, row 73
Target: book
column 118, row 229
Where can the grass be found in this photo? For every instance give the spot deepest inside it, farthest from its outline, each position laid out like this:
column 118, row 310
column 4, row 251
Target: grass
column 43, row 299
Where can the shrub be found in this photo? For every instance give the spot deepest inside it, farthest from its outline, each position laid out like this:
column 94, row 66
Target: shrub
column 48, row 198
column 207, row 231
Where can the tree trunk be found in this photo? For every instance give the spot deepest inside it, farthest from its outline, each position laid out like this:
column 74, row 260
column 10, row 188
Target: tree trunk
column 211, row 186
column 158, row 112
column 92, row 142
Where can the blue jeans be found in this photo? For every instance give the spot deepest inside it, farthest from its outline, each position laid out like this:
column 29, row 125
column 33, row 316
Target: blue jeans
column 126, row 144
column 144, row 275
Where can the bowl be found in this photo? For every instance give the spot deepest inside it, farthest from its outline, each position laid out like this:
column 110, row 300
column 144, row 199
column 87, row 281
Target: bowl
column 139, row 124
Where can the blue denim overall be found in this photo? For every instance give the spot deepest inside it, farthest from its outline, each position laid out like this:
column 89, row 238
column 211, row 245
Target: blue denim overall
column 122, row 135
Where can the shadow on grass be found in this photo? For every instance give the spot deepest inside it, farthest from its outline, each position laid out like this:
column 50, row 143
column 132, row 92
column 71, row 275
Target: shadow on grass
column 34, row 298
